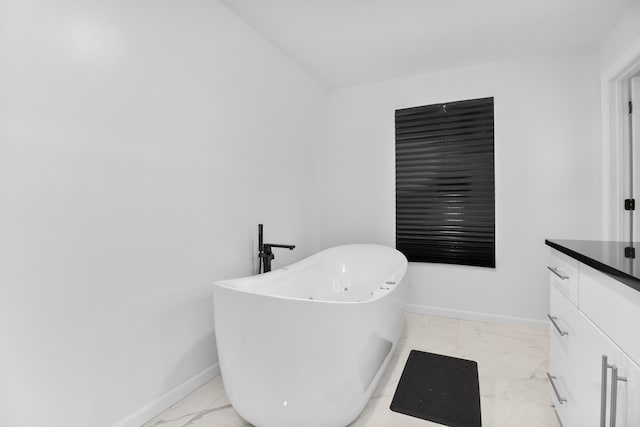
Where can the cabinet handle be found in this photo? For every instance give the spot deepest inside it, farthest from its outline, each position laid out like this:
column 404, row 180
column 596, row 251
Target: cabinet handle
column 555, row 389
column 553, row 322
column 614, row 394
column 555, row 271
column 603, row 392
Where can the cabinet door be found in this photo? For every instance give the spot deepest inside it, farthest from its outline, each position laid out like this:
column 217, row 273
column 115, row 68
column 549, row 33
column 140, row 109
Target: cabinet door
column 585, row 361
column 613, row 306
column 628, row 405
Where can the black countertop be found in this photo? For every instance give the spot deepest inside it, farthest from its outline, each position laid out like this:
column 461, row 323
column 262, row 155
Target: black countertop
column 605, row 256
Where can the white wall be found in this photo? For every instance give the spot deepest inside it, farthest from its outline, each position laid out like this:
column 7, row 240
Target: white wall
column 621, row 37
column 140, row 145
column 547, row 156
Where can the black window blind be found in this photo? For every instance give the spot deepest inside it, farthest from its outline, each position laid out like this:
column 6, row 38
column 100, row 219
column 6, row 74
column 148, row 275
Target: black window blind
column 445, row 188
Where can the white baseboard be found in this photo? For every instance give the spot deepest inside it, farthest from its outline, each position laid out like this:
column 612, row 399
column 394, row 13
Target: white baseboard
column 472, row 315
column 153, row 408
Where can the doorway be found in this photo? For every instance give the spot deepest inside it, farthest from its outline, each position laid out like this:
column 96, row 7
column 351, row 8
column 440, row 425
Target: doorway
column 631, row 158
column 621, row 150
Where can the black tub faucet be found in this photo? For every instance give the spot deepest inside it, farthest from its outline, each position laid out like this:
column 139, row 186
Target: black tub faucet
column 265, row 254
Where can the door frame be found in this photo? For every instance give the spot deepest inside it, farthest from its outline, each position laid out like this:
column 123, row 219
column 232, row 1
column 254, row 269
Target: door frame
column 614, row 92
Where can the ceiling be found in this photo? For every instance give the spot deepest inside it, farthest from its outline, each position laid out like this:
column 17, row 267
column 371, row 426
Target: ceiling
column 349, row 42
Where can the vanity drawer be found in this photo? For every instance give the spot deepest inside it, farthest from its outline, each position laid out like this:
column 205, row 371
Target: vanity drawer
column 563, row 317
column 563, row 386
column 563, row 273
column 614, row 307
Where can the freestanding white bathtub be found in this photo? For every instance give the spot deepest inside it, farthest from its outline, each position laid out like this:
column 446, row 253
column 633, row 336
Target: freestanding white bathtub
column 306, row 345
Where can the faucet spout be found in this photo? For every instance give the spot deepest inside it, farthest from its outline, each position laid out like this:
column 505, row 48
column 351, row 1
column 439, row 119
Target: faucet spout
column 278, row 245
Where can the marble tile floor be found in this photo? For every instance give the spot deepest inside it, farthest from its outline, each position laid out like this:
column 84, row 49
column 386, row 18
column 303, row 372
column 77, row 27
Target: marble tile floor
column 512, row 365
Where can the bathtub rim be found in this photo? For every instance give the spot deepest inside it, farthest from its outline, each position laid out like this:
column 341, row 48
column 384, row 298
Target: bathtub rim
column 377, row 294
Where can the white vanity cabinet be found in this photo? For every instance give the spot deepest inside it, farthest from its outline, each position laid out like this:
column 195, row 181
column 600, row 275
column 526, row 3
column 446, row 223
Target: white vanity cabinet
column 594, row 339
column 629, row 405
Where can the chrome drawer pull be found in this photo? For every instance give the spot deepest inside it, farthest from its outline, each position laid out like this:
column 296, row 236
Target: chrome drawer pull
column 553, row 321
column 555, row 271
column 603, row 392
column 614, row 394
column 555, row 389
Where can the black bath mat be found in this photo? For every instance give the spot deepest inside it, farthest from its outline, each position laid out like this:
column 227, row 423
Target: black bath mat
column 439, row 388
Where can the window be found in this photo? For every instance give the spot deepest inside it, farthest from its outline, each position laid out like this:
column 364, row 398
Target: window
column 445, row 196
